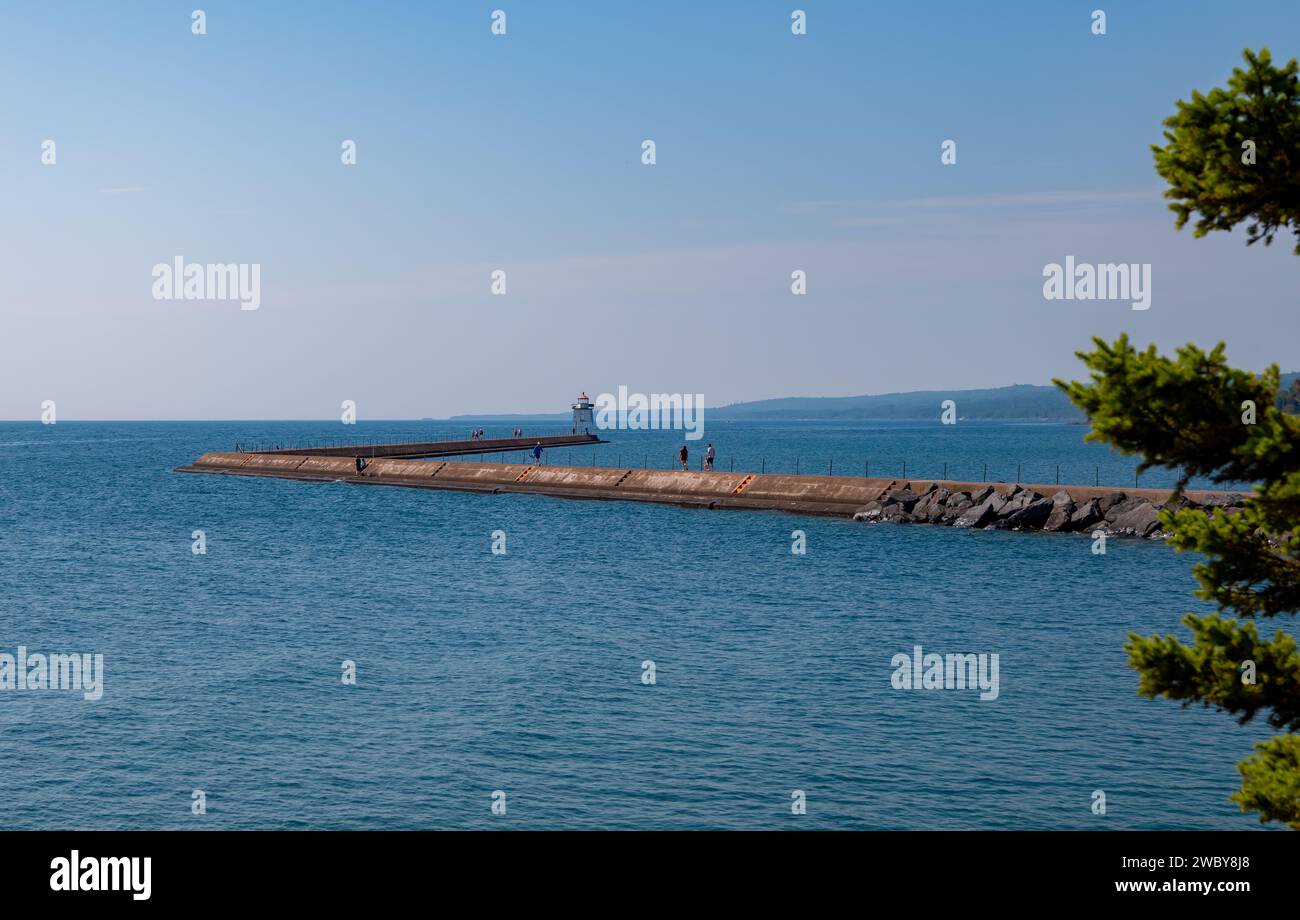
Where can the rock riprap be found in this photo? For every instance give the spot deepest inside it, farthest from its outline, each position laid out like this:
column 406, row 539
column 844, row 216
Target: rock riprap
column 1115, row 513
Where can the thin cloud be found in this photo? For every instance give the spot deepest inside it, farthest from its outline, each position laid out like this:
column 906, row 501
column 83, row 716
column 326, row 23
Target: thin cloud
column 1057, row 199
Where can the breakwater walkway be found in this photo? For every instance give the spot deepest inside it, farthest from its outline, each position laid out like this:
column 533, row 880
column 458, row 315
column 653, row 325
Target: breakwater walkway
column 1019, row 506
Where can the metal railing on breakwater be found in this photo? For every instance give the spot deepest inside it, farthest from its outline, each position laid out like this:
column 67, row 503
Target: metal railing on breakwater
column 866, row 467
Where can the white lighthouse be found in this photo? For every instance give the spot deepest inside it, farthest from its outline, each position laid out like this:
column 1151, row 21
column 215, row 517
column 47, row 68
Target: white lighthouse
column 583, row 419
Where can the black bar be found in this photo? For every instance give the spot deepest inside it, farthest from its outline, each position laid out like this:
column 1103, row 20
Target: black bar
column 995, row 869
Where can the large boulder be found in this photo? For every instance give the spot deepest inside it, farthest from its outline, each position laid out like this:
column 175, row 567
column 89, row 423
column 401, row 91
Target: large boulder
column 1011, row 505
column 1138, row 521
column 1062, row 510
column 1086, row 516
column 1123, row 507
column 896, row 513
column 955, row 508
column 923, row 508
column 982, row 495
column 996, row 502
column 1032, row 516
column 933, row 506
column 868, row 512
column 978, row 515
column 1178, row 504
column 1110, row 500
column 905, row 497
column 1017, row 501
column 1020, row 500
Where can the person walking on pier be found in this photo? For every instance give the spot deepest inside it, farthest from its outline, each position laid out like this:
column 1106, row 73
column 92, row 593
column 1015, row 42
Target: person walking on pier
column 682, row 455
column 708, row 457
column 537, row 453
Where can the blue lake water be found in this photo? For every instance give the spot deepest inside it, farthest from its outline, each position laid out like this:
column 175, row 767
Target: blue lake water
column 522, row 672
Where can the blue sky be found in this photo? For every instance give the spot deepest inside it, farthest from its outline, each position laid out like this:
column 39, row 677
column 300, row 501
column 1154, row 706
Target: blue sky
column 522, row 152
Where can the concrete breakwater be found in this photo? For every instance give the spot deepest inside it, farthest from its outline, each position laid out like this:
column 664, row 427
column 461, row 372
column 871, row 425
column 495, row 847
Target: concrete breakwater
column 959, row 504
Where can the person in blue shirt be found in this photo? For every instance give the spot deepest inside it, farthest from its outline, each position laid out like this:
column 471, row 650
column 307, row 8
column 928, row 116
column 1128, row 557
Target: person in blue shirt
column 537, row 453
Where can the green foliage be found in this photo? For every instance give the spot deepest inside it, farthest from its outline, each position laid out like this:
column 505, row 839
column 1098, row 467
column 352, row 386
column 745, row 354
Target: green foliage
column 1270, row 781
column 1203, row 159
column 1196, row 414
column 1210, row 670
column 1185, row 413
column 1189, row 413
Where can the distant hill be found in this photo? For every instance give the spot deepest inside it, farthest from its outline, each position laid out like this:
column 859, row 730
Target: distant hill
column 1288, row 397
column 1022, row 401
column 511, row 417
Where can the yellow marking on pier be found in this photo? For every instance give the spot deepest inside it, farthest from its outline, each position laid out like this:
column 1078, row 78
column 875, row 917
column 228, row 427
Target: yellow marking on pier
column 744, row 482
column 525, row 474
